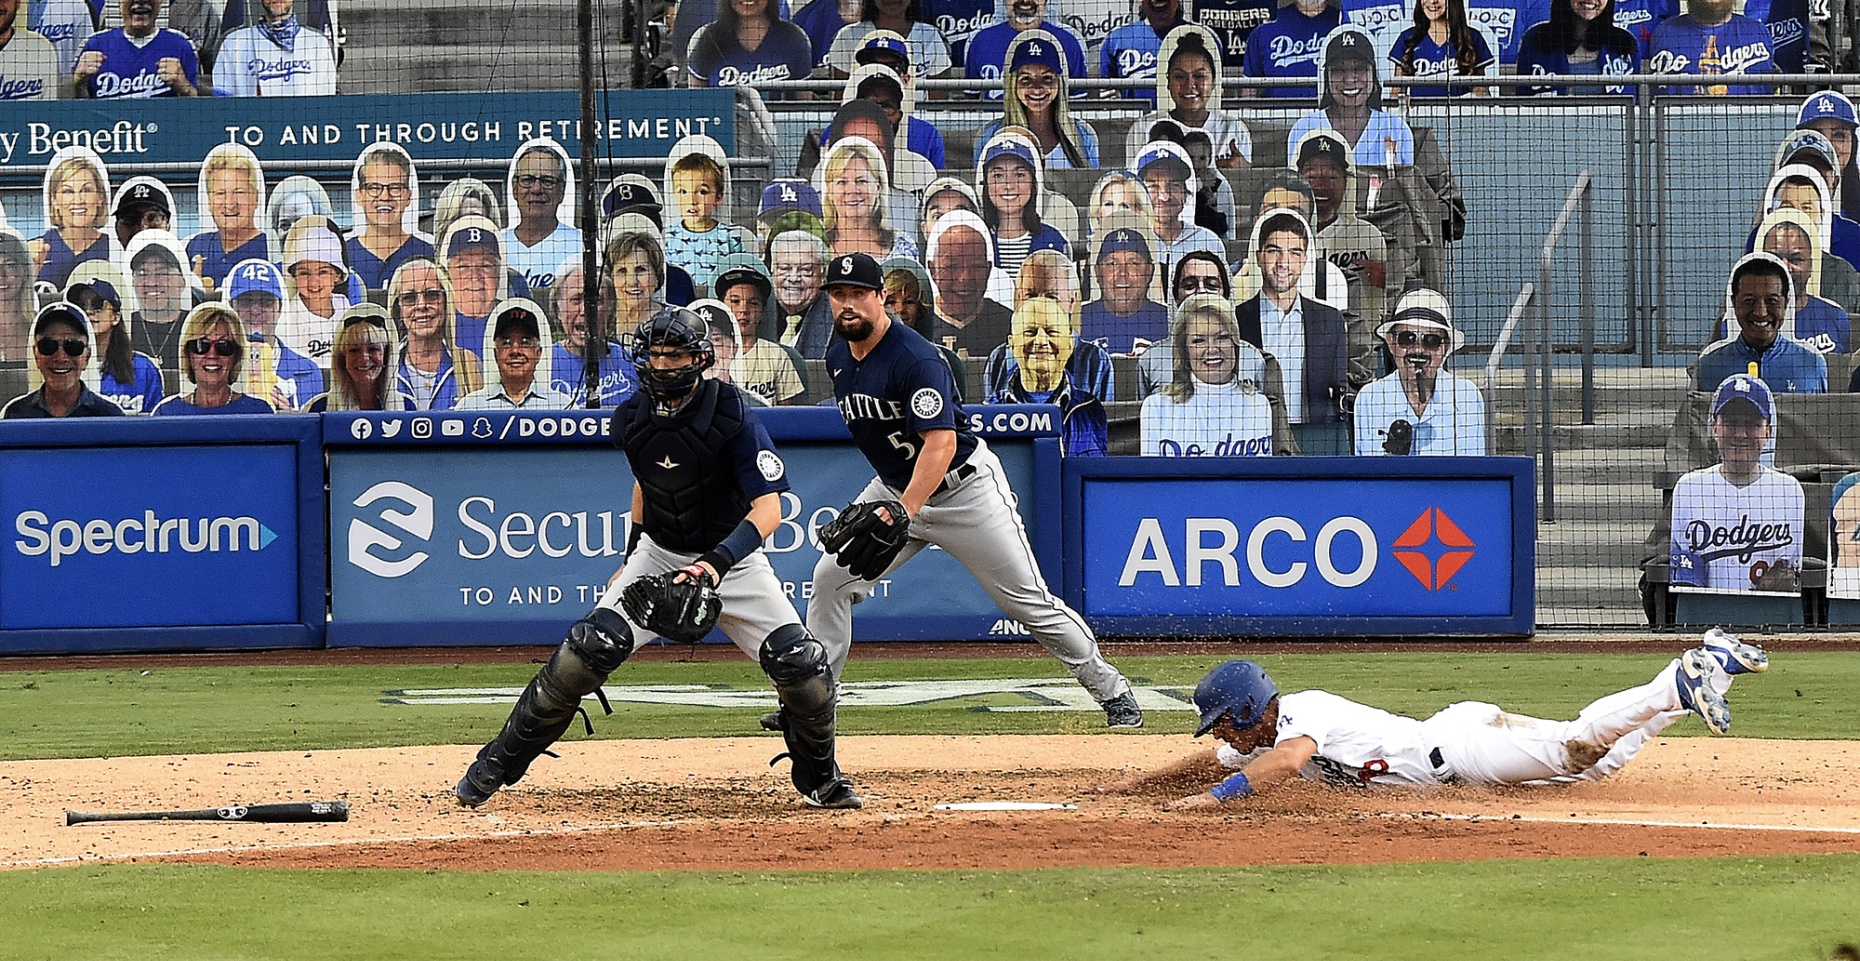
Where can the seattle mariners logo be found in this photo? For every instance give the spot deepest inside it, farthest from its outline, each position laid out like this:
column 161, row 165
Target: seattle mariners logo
column 927, row 403
column 769, row 465
column 1433, row 548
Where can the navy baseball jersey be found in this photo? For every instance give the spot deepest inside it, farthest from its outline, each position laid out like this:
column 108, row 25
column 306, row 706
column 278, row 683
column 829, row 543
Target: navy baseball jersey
column 1739, row 46
column 1289, row 47
column 712, row 450
column 1130, row 52
column 1439, row 60
column 959, row 21
column 129, row 68
column 901, row 389
column 1787, row 21
column 720, row 61
column 1232, row 21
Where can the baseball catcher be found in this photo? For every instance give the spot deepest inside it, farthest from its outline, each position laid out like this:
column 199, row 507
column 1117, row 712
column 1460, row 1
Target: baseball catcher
column 1323, row 737
column 706, row 492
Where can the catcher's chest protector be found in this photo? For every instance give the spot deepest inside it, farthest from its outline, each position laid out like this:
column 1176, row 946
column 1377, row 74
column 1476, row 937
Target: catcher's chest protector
column 692, row 497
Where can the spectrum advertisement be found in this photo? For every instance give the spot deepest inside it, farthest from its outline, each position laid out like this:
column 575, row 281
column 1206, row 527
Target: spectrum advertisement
column 509, row 533
column 196, row 542
column 1302, row 546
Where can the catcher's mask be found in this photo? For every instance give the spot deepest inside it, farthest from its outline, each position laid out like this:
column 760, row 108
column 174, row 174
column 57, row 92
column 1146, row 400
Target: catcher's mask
column 671, row 332
column 1238, row 690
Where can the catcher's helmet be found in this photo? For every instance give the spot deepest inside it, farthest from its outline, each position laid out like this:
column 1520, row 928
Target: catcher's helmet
column 1237, row 689
column 673, row 330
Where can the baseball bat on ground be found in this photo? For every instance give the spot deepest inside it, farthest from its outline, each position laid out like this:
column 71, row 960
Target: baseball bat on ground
column 260, row 813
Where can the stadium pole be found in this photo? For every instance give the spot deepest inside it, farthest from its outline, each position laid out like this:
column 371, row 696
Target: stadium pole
column 594, row 346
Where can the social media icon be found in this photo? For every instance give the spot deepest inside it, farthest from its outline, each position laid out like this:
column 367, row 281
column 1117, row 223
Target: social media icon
column 422, row 427
column 452, row 428
column 361, row 430
column 390, row 428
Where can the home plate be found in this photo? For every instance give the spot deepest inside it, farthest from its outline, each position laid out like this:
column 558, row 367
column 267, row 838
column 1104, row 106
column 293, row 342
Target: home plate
column 1007, row 806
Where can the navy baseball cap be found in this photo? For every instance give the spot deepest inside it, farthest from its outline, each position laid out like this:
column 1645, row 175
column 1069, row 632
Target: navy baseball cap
column 1038, row 48
column 880, row 43
column 786, row 197
column 629, row 193
column 1008, row 147
column 855, row 270
column 474, row 238
column 1323, row 145
column 742, row 275
column 254, row 277
column 1121, row 239
column 101, row 289
column 1827, row 105
column 1744, row 387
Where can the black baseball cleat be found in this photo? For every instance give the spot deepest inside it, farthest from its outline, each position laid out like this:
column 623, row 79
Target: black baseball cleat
column 838, row 794
column 478, row 784
column 1122, row 711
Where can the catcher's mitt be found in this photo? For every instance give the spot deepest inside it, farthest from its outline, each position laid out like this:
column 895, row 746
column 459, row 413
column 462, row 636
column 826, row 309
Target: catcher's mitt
column 679, row 610
column 867, row 537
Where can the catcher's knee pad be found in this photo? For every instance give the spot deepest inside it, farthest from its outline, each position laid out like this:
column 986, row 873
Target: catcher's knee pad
column 603, row 640
column 797, row 663
column 799, row 666
column 595, row 645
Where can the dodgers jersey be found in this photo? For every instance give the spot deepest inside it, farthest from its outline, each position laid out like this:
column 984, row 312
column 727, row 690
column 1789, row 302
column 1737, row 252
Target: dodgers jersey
column 901, row 389
column 1725, row 536
column 1130, row 52
column 1739, row 46
column 1288, row 46
column 1642, row 17
column 1219, row 420
column 129, row 68
column 1232, row 21
column 250, row 65
column 29, row 68
column 1357, row 745
column 959, row 21
column 1505, row 19
column 1440, row 60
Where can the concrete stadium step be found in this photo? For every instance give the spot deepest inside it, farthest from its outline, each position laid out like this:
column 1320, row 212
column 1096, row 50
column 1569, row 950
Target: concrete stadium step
column 1512, row 438
column 474, row 68
column 1597, row 587
column 1582, row 544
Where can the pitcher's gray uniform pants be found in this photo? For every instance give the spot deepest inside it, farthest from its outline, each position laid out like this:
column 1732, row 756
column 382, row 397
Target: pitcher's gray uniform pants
column 973, row 519
column 754, row 604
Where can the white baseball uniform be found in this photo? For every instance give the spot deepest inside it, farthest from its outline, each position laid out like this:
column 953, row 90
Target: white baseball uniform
column 1472, row 742
column 1726, row 536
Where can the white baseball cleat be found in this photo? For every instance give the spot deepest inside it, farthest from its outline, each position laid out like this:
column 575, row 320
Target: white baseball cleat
column 1693, row 676
column 1736, row 656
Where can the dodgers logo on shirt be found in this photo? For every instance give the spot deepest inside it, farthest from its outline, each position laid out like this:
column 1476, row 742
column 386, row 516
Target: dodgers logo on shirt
column 927, row 403
column 769, row 465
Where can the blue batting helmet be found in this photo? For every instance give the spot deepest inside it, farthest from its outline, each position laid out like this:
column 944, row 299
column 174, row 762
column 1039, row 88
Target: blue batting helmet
column 1237, row 689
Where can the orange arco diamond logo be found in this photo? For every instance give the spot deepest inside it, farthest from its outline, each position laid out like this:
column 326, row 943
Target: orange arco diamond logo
column 1433, row 548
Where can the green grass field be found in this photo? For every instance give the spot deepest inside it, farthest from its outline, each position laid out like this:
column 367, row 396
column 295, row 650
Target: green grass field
column 188, row 710
column 1730, row 908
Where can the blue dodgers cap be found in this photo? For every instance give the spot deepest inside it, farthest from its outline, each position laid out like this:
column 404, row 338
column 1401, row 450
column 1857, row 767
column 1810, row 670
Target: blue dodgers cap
column 101, row 289
column 1007, row 147
column 786, row 197
column 254, row 277
column 1040, row 49
column 1124, row 238
column 1158, row 154
column 1239, row 690
column 1826, row 105
column 1746, row 388
column 879, row 43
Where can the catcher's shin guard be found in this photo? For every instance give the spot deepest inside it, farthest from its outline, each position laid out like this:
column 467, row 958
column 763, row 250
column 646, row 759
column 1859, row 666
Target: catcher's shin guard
column 797, row 663
column 596, row 645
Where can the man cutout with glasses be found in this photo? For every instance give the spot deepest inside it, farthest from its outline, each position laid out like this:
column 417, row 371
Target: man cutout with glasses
column 1421, row 409
column 538, row 241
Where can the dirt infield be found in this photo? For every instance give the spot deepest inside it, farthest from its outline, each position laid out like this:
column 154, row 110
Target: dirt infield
column 715, row 804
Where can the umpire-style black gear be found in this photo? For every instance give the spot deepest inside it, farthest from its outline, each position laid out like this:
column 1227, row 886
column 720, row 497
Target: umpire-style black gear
column 672, row 330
